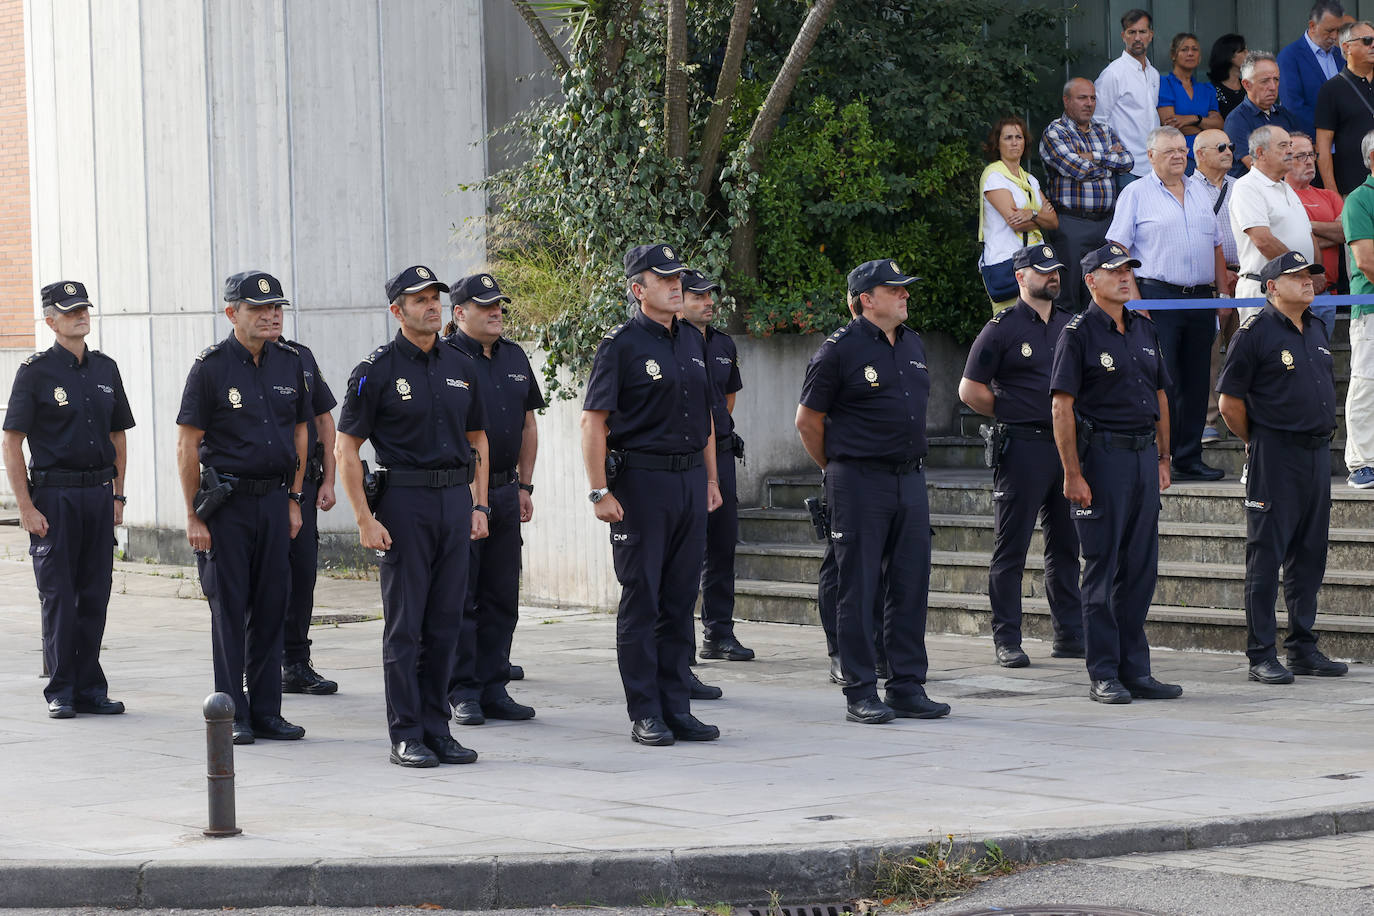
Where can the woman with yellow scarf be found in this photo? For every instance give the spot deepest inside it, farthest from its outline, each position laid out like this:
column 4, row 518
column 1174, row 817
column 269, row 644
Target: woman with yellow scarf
column 1013, row 211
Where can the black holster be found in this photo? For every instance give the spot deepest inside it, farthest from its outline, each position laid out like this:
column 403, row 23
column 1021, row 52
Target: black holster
column 994, row 443
column 615, row 463
column 314, row 465
column 820, row 516
column 1086, row 428
column 737, row 446
column 374, row 485
column 213, row 494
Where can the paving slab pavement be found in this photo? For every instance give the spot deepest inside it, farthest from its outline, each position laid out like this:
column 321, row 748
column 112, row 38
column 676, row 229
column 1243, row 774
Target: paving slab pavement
column 564, row 808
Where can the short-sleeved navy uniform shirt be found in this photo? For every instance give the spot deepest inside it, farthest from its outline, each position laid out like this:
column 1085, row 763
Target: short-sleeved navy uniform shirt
column 653, row 381
column 1013, row 356
column 248, row 411
column 1284, row 375
column 1114, row 378
column 321, row 398
column 416, row 407
column 872, row 392
column 67, row 407
column 508, row 390
column 722, row 367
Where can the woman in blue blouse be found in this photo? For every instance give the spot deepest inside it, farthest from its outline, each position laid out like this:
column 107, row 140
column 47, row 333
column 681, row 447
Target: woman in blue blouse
column 1183, row 103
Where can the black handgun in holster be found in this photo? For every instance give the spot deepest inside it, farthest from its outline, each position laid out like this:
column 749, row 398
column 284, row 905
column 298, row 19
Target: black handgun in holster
column 314, row 465
column 615, row 463
column 213, row 493
column 374, row 485
column 994, row 443
column 820, row 516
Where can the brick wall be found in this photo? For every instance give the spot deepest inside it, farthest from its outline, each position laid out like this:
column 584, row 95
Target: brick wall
column 16, row 246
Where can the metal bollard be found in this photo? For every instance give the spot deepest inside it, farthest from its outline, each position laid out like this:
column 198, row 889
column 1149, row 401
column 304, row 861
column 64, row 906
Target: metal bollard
column 219, row 752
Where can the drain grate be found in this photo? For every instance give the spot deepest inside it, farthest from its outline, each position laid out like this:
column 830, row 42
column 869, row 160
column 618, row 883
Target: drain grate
column 808, row 909
column 1053, row 910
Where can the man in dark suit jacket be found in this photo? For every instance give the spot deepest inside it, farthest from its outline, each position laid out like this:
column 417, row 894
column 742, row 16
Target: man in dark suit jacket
column 1310, row 61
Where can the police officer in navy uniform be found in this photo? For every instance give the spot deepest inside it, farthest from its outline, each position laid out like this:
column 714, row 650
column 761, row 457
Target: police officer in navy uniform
column 69, row 402
column 722, row 526
column 244, row 412
column 298, row 674
column 1278, row 394
column 862, row 419
column 1008, row 377
column 510, row 396
column 416, row 398
column 1111, row 426
column 648, row 406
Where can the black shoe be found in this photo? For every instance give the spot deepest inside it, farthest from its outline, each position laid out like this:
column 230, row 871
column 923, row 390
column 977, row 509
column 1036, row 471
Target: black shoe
column 61, row 709
column 688, row 727
column 702, row 691
column 506, row 708
column 1147, row 688
column 837, row 672
column 277, row 729
column 1198, row 471
column 727, row 647
column 469, row 712
column 1270, row 671
column 652, row 731
column 1313, row 662
column 103, row 706
column 869, row 711
column 1012, row 657
column 1068, row 650
column 915, row 705
column 517, row 673
column 1109, row 691
column 882, row 671
column 413, row 753
column 448, row 750
column 243, row 733
column 299, row 677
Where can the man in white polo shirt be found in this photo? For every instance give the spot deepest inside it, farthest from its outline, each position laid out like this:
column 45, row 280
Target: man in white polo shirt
column 1267, row 217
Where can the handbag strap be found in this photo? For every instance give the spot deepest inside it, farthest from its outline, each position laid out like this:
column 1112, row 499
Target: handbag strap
column 1221, row 198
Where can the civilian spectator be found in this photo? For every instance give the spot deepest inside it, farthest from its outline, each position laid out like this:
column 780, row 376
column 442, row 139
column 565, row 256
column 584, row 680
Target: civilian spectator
column 1358, row 222
column 1167, row 224
column 1128, row 90
column 1310, row 61
column 1014, row 211
column 1260, row 77
column 1082, row 159
column 1190, row 106
column 1223, row 69
column 1345, row 113
column 1324, row 212
column 1213, row 152
column 1266, row 215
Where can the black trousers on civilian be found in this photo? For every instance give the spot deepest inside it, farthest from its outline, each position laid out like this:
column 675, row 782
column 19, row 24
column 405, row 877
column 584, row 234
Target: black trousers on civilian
column 1074, row 238
column 244, row 575
column 304, row 556
column 1185, row 341
column 424, row 581
column 481, row 668
column 1287, row 522
column 1029, row 482
column 718, row 571
column 72, row 565
column 658, row 549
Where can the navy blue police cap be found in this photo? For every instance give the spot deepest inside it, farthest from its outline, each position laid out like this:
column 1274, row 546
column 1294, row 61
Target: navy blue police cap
column 254, row 286
column 479, row 288
column 1040, row 258
column 1109, row 257
column 413, row 280
column 1290, row 262
column 66, row 296
column 883, row 272
column 659, row 258
column 694, row 281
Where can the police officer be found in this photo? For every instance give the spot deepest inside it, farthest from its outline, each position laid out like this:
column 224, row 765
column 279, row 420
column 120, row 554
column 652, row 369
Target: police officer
column 243, row 418
column 1111, row 426
column 1278, row 394
column 298, row 675
column 722, row 526
column 1008, row 377
column 510, row 396
column 862, row 419
column 69, row 402
column 416, row 398
column 648, row 408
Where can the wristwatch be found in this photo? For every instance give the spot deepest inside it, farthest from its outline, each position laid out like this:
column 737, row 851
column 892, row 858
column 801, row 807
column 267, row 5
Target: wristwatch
column 485, row 510
column 120, row 497
column 597, row 495
column 527, row 487
column 297, row 498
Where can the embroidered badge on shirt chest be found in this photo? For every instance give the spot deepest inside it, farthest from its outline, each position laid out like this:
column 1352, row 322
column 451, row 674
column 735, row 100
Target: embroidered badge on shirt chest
column 235, row 399
column 1287, row 359
column 1026, row 350
column 871, row 375
column 59, row 394
column 653, row 369
column 403, row 389
column 1107, row 362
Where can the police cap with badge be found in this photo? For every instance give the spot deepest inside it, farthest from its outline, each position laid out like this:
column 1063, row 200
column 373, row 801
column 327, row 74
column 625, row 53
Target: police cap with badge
column 1039, row 258
column 256, row 287
column 479, row 288
column 1109, row 257
column 694, row 281
column 1290, row 262
column 883, row 272
column 659, row 258
column 413, row 280
column 66, row 296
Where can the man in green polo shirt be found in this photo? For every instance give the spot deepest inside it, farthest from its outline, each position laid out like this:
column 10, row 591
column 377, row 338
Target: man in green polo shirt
column 1358, row 221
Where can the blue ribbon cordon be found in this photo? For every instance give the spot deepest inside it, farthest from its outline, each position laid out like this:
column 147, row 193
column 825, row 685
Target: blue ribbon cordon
column 1152, row 304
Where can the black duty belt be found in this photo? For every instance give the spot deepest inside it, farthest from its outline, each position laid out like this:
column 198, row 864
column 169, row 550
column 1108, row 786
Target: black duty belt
column 1027, row 431
column 434, row 478
column 1197, row 291
column 256, row 486
column 1301, row 440
column 648, row 461
column 1096, row 216
column 891, row 467
column 501, row 478
column 1136, row 442
column 60, row 478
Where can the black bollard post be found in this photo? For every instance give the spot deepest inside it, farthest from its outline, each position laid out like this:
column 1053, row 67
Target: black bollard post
column 219, row 752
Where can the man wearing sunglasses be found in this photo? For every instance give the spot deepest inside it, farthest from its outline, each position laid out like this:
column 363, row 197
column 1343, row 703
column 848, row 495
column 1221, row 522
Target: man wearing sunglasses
column 1345, row 112
column 1214, row 152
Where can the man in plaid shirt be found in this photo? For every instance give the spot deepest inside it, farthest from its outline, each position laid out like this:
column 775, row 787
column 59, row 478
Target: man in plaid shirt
column 1082, row 159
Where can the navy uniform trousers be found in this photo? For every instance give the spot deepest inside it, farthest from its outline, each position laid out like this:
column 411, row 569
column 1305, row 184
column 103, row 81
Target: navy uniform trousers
column 304, row 559
column 1029, row 482
column 481, row 668
column 658, row 550
column 827, row 597
column 424, row 578
column 1119, row 534
column 718, row 571
column 1287, row 523
column 72, row 566
column 243, row 576
column 880, row 535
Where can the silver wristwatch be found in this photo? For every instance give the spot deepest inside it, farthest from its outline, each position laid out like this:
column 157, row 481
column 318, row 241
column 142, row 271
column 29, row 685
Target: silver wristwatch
column 597, row 495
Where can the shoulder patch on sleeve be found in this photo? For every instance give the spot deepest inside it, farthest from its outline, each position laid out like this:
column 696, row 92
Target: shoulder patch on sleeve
column 206, row 352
